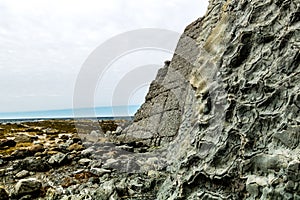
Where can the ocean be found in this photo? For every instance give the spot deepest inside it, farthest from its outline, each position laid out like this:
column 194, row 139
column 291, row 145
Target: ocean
column 116, row 112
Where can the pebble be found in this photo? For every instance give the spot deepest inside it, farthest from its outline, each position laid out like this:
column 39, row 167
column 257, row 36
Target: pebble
column 153, row 174
column 99, row 171
column 96, row 163
column 125, row 148
column 78, row 171
column 57, row 159
column 84, row 161
column 36, row 148
column 22, row 174
column 87, row 152
column 119, row 129
column 65, row 145
column 75, row 146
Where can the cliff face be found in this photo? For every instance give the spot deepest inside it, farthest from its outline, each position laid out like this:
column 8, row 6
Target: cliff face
column 226, row 110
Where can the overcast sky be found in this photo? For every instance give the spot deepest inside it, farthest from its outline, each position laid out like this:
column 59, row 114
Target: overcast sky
column 43, row 43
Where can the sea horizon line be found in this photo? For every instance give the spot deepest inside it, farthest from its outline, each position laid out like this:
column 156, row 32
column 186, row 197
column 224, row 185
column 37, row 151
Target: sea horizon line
column 92, row 112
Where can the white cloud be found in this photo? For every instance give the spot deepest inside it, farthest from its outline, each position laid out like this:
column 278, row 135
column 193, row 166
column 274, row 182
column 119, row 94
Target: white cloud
column 45, row 42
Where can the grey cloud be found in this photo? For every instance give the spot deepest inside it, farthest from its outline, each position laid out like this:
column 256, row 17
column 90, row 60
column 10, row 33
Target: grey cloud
column 44, row 43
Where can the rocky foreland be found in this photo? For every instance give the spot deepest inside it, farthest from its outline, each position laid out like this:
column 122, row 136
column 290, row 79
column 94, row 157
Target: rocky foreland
column 48, row 160
column 220, row 121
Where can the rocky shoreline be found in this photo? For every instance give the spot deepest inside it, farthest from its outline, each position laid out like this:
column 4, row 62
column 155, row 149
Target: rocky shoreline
column 63, row 159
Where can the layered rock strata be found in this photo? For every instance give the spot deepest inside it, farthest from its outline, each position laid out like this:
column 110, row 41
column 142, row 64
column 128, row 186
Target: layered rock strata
column 225, row 110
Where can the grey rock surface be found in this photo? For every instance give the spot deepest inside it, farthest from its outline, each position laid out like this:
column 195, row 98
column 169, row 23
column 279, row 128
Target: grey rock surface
column 57, row 159
column 27, row 187
column 226, row 108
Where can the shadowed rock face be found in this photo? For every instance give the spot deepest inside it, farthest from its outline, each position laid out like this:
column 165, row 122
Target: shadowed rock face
column 226, row 109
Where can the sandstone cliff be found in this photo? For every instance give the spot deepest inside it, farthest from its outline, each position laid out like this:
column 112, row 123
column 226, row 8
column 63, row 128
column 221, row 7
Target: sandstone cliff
column 226, row 110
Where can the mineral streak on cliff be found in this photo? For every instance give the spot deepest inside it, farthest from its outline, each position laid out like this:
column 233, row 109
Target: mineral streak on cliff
column 226, row 108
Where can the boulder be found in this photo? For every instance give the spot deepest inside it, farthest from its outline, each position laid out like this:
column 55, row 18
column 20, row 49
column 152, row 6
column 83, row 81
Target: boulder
column 28, row 186
column 58, row 159
column 24, row 138
column 34, row 164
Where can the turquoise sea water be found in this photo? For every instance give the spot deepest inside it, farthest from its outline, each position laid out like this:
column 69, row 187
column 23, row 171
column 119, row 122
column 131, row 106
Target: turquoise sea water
column 99, row 112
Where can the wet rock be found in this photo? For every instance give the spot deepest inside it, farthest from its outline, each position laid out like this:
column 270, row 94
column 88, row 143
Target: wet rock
column 28, row 186
column 3, row 194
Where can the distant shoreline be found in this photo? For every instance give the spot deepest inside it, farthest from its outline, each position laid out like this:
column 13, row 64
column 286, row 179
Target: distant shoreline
column 65, row 118
column 99, row 113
